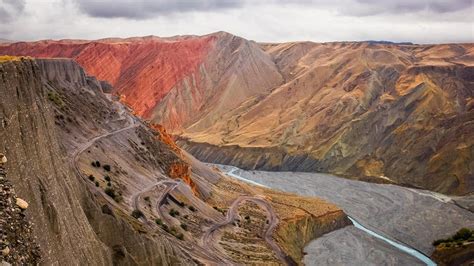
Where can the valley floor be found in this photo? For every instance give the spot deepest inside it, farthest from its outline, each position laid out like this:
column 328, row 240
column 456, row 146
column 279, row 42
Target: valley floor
column 410, row 216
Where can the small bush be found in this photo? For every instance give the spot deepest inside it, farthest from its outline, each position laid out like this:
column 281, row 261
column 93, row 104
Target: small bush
column 174, row 213
column 118, row 198
column 107, row 167
column 137, row 214
column 146, row 198
column 93, row 164
column 109, row 184
column 56, row 99
column 97, row 164
column 182, row 204
column 165, row 227
column 110, row 192
column 107, row 178
column 96, row 183
column 158, row 221
column 180, row 236
column 462, row 234
column 91, row 178
column 184, row 226
column 247, row 217
column 191, row 208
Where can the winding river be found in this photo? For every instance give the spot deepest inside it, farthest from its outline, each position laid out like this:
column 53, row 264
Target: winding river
column 406, row 220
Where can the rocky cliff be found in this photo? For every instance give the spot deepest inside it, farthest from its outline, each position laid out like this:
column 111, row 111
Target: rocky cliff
column 68, row 222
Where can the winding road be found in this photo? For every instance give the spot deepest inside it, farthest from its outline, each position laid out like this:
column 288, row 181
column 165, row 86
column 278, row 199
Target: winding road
column 207, row 238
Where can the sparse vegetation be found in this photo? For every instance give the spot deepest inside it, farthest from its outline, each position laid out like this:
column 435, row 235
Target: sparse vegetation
column 165, row 227
column 107, row 167
column 110, row 192
column 137, row 214
column 462, row 236
column 5, row 58
column 54, row 97
column 174, row 213
column 219, row 210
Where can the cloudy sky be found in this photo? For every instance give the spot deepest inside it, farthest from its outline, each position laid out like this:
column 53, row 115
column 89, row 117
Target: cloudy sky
column 419, row 21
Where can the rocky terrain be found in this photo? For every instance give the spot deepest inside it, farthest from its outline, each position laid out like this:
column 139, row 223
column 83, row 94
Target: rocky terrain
column 382, row 112
column 105, row 187
column 17, row 243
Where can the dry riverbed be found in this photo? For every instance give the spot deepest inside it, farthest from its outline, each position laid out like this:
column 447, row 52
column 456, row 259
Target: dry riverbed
column 410, row 216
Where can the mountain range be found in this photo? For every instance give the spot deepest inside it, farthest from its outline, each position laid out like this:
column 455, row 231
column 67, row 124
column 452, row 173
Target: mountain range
column 381, row 112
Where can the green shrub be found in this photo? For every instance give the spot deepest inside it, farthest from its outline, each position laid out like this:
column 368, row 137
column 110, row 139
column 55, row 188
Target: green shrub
column 55, row 98
column 97, row 164
column 184, row 226
column 180, row 236
column 462, row 234
column 107, row 167
column 118, row 198
column 109, row 184
column 91, row 178
column 137, row 214
column 191, row 208
column 174, row 212
column 107, row 178
column 96, row 183
column 93, row 164
column 147, row 198
column 158, row 221
column 165, row 227
column 110, row 192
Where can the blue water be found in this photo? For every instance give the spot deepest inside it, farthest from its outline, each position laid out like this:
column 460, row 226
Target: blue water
column 401, row 247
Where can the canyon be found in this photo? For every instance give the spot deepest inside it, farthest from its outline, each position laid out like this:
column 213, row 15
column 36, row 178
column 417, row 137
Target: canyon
column 104, row 187
column 379, row 112
column 216, row 149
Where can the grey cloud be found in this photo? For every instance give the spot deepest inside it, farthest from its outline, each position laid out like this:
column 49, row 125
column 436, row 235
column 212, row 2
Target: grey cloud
column 10, row 9
column 142, row 9
column 375, row 7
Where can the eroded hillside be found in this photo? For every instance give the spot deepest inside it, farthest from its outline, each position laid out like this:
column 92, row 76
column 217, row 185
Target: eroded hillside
column 106, row 188
column 380, row 112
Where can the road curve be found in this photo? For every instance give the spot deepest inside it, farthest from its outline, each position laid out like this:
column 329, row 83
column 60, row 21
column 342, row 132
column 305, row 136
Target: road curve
column 207, row 238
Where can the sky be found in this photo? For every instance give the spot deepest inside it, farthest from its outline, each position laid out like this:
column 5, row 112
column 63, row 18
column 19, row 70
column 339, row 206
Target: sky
column 418, row 21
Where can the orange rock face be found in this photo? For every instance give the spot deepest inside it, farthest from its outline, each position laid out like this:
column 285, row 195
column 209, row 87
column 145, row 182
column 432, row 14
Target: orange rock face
column 165, row 137
column 143, row 70
column 183, row 171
